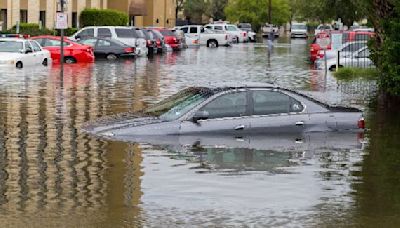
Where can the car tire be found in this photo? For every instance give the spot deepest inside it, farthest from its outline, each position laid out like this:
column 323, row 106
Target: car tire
column 69, row 60
column 111, row 56
column 212, row 44
column 45, row 62
column 19, row 65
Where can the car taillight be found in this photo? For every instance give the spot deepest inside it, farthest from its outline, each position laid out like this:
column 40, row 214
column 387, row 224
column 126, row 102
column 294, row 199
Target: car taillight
column 129, row 50
column 244, row 34
column 361, row 123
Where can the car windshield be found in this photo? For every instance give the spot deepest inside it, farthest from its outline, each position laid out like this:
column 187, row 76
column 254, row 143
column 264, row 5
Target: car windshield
column 231, row 28
column 242, row 26
column 166, row 32
column 298, row 26
column 10, row 46
column 179, row 104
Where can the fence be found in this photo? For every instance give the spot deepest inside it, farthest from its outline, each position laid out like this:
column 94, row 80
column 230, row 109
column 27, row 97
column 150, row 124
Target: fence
column 355, row 52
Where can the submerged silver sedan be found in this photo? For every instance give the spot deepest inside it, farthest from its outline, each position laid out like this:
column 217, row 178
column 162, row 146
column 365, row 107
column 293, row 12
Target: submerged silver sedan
column 231, row 110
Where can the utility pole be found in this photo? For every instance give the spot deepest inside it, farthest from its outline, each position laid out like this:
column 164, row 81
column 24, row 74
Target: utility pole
column 270, row 12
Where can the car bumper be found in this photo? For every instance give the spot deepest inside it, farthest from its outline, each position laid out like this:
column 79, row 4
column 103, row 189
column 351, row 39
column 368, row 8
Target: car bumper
column 301, row 35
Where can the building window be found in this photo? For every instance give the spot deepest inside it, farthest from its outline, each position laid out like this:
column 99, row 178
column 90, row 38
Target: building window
column 88, row 5
column 74, row 20
column 3, row 19
column 23, row 16
column 42, row 18
column 132, row 21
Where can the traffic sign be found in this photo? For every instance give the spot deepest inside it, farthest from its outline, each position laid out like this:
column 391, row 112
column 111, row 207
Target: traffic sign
column 337, row 41
column 61, row 20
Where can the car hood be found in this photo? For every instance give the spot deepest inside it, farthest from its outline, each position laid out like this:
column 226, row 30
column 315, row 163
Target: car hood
column 9, row 55
column 107, row 125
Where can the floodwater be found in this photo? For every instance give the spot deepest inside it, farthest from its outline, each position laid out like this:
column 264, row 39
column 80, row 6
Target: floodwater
column 54, row 175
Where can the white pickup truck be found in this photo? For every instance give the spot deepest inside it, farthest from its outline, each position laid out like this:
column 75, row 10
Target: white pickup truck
column 206, row 36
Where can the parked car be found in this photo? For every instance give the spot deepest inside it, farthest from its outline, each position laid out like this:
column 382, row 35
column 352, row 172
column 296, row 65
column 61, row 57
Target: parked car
column 232, row 110
column 126, row 35
column 151, row 40
column 359, row 59
column 160, row 42
column 73, row 52
column 347, row 50
column 247, row 28
column 298, row 30
column 16, row 52
column 109, row 48
column 266, row 30
column 170, row 38
column 238, row 35
column 207, row 37
column 349, row 36
column 314, row 46
column 323, row 28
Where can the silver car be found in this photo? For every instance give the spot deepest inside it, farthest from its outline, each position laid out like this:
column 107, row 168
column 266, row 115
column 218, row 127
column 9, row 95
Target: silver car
column 232, row 110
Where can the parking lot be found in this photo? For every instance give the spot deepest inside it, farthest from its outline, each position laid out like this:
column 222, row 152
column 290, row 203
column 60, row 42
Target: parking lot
column 47, row 164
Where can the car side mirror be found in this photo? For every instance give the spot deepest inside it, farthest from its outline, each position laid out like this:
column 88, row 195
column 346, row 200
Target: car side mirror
column 77, row 37
column 28, row 50
column 200, row 115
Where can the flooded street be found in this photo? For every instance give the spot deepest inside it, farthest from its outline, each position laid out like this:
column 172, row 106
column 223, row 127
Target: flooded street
column 54, row 175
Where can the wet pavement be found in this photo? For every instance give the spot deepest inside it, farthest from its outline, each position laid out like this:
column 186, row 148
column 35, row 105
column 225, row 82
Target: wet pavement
column 54, row 175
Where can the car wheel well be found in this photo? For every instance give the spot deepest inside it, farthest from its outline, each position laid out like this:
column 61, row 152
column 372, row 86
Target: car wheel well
column 209, row 42
column 19, row 65
column 69, row 59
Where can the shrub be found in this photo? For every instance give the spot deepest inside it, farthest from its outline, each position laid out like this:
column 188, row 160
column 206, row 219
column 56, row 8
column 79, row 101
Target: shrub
column 31, row 29
column 103, row 17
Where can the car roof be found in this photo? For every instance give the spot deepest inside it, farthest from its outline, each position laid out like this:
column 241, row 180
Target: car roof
column 13, row 39
column 235, row 85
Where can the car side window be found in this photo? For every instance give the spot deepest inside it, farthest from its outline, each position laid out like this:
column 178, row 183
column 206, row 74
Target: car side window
column 227, row 105
column 28, row 46
column 36, row 46
column 267, row 102
column 104, row 43
column 218, row 27
column 54, row 43
column 193, row 30
column 184, row 29
column 104, row 32
column 86, row 33
column 364, row 53
column 90, row 42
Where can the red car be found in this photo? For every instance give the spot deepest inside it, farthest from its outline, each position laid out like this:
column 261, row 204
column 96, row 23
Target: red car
column 349, row 36
column 73, row 52
column 170, row 38
column 314, row 46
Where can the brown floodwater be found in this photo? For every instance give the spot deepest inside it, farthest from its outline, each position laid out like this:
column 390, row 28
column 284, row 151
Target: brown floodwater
column 54, row 175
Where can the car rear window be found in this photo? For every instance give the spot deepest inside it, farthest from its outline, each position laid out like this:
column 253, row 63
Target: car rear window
column 167, row 32
column 10, row 46
column 125, row 33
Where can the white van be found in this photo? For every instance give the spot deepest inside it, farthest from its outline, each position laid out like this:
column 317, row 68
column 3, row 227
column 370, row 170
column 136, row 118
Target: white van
column 127, row 35
column 298, row 30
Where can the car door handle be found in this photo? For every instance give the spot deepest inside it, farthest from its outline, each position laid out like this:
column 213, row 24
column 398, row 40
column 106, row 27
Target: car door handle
column 239, row 127
column 299, row 123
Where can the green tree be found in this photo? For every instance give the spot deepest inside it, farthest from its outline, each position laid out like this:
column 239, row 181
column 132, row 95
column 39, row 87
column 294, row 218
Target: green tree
column 216, row 9
column 256, row 11
column 195, row 9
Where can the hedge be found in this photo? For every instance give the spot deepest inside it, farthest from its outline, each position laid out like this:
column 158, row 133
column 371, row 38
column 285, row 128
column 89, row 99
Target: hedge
column 103, row 17
column 31, row 29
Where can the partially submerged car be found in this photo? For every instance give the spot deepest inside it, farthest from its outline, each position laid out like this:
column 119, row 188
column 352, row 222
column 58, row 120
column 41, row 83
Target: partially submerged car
column 231, row 110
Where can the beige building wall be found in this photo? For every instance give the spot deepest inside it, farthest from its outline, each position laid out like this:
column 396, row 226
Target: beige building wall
column 157, row 13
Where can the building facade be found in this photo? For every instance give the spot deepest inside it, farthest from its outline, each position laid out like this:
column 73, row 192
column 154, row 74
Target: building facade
column 141, row 12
